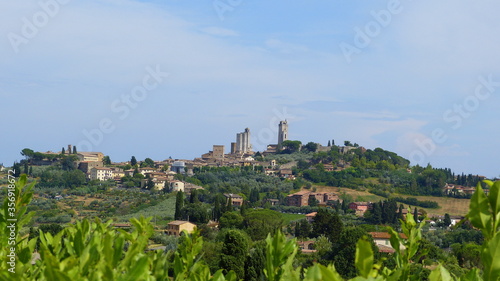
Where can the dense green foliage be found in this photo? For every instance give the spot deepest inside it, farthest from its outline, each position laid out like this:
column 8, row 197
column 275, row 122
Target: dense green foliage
column 96, row 251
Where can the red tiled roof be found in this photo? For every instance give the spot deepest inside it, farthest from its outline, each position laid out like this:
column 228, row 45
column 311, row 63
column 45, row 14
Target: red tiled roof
column 385, row 235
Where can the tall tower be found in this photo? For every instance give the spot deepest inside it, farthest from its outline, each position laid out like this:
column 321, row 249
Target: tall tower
column 243, row 144
column 282, row 132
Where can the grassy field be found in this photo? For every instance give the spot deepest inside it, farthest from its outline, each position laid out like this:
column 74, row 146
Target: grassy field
column 163, row 211
column 452, row 206
column 288, row 218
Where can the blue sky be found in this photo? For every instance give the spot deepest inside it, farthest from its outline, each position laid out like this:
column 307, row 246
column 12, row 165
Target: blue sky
column 414, row 77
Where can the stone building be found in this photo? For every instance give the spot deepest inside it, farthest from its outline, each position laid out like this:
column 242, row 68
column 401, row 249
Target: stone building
column 243, row 144
column 282, row 132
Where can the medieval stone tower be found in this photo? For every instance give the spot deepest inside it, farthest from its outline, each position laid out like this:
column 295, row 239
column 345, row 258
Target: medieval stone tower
column 282, row 132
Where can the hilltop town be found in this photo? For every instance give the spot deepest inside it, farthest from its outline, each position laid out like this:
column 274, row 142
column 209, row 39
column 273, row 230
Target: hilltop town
column 311, row 190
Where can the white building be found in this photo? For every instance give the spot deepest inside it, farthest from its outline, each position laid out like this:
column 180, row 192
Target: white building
column 101, row 174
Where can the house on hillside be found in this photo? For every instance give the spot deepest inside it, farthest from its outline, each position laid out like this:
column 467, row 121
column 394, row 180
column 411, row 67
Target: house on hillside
column 301, row 198
column 101, row 174
column 306, row 247
column 360, row 207
column 175, row 228
column 236, row 199
column 90, row 156
column 382, row 241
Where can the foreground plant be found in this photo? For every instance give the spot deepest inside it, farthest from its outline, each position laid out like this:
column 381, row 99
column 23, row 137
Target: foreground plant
column 94, row 250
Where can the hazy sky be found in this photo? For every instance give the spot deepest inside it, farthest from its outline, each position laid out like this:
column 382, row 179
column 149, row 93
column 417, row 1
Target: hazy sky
column 171, row 78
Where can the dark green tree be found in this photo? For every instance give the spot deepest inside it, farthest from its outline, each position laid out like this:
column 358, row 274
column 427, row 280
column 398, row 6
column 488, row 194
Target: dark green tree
column 193, row 198
column 150, row 184
column 133, row 161
column 310, row 146
column 17, row 169
column 73, row 178
column 229, row 205
column 231, row 220
column 26, row 168
column 148, row 162
column 106, row 160
column 328, row 224
column 254, row 196
column 68, row 163
column 27, row 153
column 179, row 203
column 74, row 150
column 63, row 151
column 234, row 252
column 389, row 211
column 447, row 220
column 243, row 207
column 256, row 262
column 260, row 222
column 290, row 146
column 344, row 250
column 302, row 229
column 329, row 144
column 196, row 213
column 376, row 213
column 400, row 212
column 217, row 211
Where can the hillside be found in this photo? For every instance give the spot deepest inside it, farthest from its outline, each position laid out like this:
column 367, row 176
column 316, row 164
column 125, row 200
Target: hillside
column 451, row 206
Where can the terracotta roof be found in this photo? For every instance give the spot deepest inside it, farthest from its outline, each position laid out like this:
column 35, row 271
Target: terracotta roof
column 385, row 235
column 385, row 249
column 361, row 203
column 311, row 214
column 178, row 222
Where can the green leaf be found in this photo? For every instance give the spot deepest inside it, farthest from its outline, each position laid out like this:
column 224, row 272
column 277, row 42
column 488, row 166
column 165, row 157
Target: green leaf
column 139, row 271
column 491, row 257
column 472, row 275
column 364, row 257
column 479, row 213
column 494, row 199
column 440, row 274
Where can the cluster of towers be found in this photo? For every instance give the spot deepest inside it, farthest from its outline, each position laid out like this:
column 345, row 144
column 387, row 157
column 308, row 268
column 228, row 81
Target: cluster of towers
column 242, row 144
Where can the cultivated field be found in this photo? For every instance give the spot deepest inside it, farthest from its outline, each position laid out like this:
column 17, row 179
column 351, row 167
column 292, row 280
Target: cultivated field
column 452, row 206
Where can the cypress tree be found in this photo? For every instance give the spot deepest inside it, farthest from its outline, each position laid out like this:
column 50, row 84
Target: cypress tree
column 179, row 203
column 329, row 144
column 63, row 151
column 400, row 212
column 217, row 212
column 376, row 213
column 243, row 208
column 194, row 197
column 74, row 150
column 229, row 206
